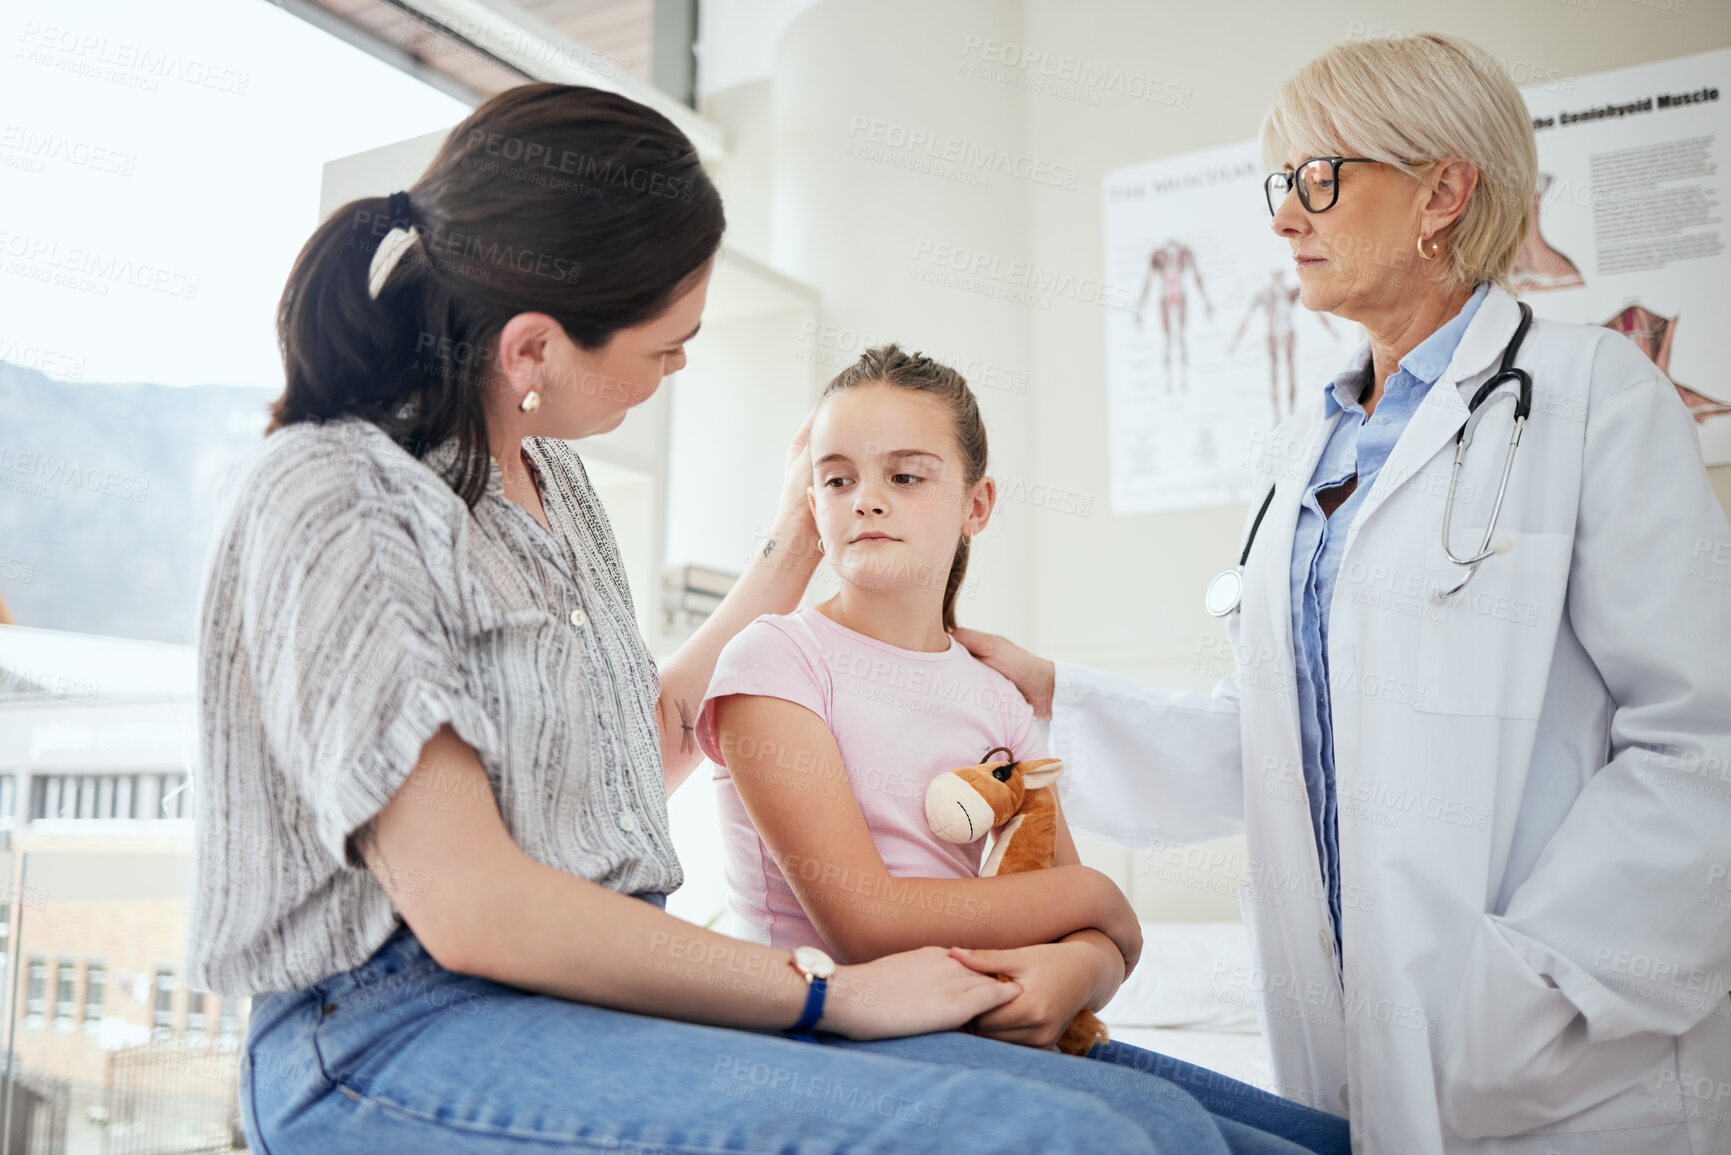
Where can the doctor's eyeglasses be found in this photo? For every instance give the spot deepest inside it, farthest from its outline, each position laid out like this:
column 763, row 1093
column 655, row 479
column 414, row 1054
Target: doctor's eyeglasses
column 1317, row 181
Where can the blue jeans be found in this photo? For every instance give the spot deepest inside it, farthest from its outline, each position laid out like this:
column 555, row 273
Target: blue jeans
column 400, row 1054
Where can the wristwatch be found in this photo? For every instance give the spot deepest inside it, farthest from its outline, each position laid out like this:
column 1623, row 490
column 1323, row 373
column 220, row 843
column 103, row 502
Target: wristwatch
column 815, row 967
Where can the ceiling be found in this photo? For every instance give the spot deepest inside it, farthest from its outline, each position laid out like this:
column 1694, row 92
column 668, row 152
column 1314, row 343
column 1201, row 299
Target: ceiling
column 621, row 29
column 615, row 38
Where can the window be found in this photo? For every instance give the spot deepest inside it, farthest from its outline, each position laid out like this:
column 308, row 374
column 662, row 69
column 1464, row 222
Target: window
column 6, row 956
column 157, row 262
column 228, row 1024
column 90, row 796
column 95, row 988
column 195, row 1016
column 154, row 261
column 176, row 797
column 164, row 1017
column 65, row 993
column 36, row 991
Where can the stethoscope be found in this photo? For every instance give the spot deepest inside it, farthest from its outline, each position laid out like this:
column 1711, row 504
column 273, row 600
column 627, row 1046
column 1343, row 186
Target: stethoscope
column 1226, row 592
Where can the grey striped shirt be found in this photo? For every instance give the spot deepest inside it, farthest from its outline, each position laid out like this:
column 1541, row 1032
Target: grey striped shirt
column 353, row 605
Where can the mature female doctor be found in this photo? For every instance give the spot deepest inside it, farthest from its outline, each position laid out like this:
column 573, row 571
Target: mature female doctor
column 1489, row 829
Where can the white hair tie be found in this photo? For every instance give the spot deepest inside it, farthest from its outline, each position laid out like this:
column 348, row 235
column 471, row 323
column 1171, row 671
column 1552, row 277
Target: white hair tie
column 390, row 251
column 395, row 244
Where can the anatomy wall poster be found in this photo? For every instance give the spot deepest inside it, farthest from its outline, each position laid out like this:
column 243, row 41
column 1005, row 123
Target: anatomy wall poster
column 1635, row 179
column 1215, row 348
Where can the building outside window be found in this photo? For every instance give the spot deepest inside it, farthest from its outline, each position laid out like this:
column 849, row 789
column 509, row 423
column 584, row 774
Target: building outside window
column 228, row 1025
column 36, row 992
column 195, row 1002
column 95, row 990
column 164, row 1018
column 6, row 956
column 65, row 993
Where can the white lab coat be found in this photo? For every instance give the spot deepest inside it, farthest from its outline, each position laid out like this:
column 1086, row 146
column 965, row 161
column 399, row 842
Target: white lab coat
column 1534, row 783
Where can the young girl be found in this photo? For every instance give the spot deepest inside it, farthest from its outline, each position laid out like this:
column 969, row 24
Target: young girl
column 830, row 721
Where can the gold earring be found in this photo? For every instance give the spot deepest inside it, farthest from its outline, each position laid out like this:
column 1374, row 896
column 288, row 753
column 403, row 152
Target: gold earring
column 531, row 402
column 820, row 545
column 1430, row 256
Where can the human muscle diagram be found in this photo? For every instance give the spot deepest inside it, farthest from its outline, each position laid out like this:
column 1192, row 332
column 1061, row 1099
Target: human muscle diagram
column 1171, row 265
column 1652, row 335
column 1190, row 389
column 1627, row 230
column 1538, row 266
column 1273, row 307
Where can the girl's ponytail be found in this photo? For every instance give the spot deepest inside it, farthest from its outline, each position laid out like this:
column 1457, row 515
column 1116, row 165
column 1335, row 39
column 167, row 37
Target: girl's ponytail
column 953, row 584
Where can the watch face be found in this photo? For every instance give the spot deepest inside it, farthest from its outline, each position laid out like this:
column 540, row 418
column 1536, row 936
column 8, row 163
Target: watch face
column 814, row 962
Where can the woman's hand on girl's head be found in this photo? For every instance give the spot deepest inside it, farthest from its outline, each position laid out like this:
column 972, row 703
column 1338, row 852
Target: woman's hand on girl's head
column 1058, row 980
column 913, row 992
column 794, row 515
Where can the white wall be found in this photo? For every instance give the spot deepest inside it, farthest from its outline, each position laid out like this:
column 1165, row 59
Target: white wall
column 853, row 227
column 736, row 40
column 1121, row 593
column 742, row 397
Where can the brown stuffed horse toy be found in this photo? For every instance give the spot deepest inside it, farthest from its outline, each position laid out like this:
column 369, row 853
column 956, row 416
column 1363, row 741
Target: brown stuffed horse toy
column 1017, row 800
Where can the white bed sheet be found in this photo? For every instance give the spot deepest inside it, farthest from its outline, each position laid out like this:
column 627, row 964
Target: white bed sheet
column 1185, row 1000
column 1237, row 1056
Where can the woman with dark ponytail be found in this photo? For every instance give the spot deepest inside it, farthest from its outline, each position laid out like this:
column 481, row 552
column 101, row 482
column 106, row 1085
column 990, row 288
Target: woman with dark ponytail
column 432, row 841
column 576, row 204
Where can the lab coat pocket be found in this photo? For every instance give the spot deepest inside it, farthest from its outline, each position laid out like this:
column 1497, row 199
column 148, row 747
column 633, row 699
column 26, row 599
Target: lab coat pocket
column 1487, row 649
column 1515, row 1053
column 1505, row 1017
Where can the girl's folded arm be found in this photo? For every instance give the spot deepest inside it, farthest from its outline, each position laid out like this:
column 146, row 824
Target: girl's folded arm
column 799, row 798
column 481, row 906
column 1116, row 965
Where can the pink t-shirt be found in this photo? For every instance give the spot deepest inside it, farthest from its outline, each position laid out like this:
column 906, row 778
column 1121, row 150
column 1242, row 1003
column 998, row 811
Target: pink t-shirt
column 900, row 718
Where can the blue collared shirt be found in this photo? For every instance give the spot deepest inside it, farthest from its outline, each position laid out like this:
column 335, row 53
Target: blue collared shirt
column 1356, row 446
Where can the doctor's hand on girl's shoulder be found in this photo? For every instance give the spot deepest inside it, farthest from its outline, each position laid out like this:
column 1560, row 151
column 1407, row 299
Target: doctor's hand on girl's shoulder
column 912, row 992
column 1034, row 676
column 1058, row 980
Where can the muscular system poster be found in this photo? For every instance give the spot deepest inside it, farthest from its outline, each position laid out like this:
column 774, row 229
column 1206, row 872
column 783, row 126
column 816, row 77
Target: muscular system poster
column 1634, row 181
column 1634, row 178
column 1217, row 347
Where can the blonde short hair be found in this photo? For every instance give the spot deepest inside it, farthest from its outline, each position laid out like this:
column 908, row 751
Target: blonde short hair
column 1409, row 102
